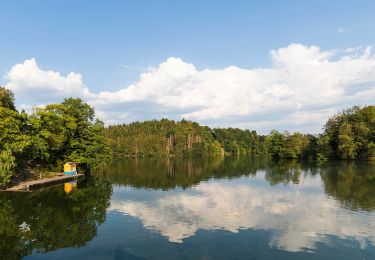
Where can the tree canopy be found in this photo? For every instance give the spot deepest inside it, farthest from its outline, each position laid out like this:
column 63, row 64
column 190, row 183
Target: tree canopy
column 7, row 98
column 49, row 136
column 347, row 135
column 183, row 138
column 350, row 134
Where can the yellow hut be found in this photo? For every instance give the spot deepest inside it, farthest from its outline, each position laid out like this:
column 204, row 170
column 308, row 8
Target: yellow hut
column 70, row 168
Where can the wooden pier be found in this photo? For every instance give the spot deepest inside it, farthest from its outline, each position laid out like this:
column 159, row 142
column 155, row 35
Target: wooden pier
column 27, row 186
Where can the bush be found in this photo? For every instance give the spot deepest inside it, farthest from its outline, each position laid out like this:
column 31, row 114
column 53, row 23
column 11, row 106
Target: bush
column 7, row 164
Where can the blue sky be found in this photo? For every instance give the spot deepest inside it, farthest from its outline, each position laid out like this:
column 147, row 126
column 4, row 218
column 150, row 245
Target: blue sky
column 111, row 43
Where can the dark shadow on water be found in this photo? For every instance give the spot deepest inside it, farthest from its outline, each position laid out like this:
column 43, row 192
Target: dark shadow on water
column 50, row 219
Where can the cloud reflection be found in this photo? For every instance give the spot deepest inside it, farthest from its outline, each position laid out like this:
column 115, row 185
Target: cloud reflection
column 299, row 216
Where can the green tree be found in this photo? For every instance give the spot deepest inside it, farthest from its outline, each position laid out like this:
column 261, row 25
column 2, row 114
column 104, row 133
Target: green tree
column 11, row 133
column 7, row 164
column 351, row 133
column 346, row 145
column 92, row 148
column 324, row 150
column 6, row 98
column 274, row 142
column 51, row 129
column 88, row 145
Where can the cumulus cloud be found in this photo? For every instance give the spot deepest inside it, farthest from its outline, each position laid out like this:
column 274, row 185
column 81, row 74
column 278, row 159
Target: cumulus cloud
column 27, row 80
column 301, row 89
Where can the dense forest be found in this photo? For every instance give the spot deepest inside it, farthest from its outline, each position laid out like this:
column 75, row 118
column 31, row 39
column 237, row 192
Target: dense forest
column 347, row 135
column 183, row 138
column 68, row 131
column 48, row 137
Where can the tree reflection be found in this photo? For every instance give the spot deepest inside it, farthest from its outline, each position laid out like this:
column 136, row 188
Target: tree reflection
column 283, row 172
column 50, row 219
column 171, row 173
column 351, row 183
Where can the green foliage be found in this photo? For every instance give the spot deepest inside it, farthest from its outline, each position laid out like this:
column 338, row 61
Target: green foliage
column 12, row 135
column 237, row 141
column 185, row 138
column 51, row 129
column 90, row 147
column 7, row 164
column 50, row 136
column 216, row 148
column 7, row 98
column 348, row 135
column 275, row 141
column 346, row 145
column 324, row 150
column 68, row 132
column 351, row 134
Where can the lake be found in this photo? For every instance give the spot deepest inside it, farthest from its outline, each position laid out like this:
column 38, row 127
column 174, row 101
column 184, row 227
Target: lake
column 217, row 208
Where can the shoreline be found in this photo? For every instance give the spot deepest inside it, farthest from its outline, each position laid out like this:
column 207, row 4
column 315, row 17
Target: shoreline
column 34, row 184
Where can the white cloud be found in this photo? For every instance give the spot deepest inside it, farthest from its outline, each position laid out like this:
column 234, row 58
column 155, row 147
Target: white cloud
column 299, row 55
column 28, row 81
column 294, row 92
column 238, row 204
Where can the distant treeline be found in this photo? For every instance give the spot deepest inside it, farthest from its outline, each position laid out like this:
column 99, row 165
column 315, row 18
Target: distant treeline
column 347, row 135
column 183, row 138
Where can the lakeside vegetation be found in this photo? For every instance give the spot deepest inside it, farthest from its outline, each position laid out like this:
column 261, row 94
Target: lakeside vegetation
column 183, row 138
column 347, row 135
column 48, row 137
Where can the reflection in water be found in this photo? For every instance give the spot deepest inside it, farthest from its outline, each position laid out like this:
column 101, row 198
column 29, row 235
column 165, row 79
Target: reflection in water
column 190, row 209
column 241, row 205
column 171, row 173
column 49, row 219
column 298, row 212
column 353, row 184
column 70, row 186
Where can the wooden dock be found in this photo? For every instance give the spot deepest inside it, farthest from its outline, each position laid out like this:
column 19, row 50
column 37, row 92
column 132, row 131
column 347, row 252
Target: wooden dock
column 27, row 186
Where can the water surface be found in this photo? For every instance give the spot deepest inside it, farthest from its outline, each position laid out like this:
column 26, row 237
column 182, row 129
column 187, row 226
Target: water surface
column 232, row 208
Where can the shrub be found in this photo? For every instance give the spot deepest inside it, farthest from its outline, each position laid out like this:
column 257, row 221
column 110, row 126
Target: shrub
column 7, row 164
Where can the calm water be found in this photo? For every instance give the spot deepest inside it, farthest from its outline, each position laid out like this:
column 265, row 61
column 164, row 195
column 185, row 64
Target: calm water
column 232, row 208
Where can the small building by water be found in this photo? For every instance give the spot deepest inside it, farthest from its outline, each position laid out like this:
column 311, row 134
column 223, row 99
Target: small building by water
column 70, row 168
